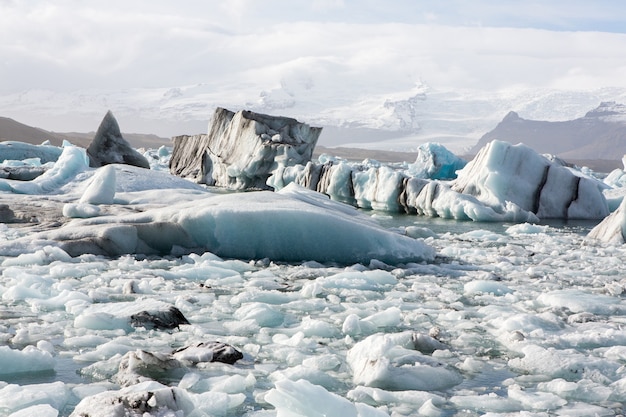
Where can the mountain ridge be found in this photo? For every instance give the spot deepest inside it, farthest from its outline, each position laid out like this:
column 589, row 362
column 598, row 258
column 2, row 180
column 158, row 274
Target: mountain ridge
column 599, row 134
column 12, row 130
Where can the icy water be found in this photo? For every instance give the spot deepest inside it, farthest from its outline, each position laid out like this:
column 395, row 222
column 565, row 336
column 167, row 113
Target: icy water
column 525, row 320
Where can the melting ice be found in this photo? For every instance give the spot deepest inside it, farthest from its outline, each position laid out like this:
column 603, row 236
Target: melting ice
column 326, row 310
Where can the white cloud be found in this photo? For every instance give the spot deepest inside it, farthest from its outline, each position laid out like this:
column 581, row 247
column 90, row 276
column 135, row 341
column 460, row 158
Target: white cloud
column 330, row 52
column 162, row 44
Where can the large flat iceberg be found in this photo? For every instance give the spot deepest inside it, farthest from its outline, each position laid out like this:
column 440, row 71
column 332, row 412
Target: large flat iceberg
column 292, row 225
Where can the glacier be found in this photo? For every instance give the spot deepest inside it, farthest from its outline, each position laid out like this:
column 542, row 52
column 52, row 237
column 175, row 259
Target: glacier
column 362, row 312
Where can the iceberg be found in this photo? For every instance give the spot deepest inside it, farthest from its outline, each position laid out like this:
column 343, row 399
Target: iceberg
column 20, row 151
column 502, row 174
column 392, row 362
column 110, row 147
column 146, row 398
column 304, row 399
column 292, row 225
column 436, row 162
column 502, row 183
column 613, row 228
column 242, row 149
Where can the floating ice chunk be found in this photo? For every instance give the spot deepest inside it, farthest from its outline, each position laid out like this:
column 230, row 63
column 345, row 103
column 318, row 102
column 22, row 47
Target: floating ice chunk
column 352, row 325
column 362, row 280
column 583, row 390
column 417, row 399
column 43, row 256
column 320, row 328
column 613, row 228
column 29, row 359
column 536, row 400
column 41, row 410
column 101, row 188
column 526, row 228
column 386, row 318
column 486, row 403
column 486, row 287
column 386, row 361
column 555, row 363
column 377, row 188
column 126, row 315
column 241, row 149
column 80, row 211
column 578, row 301
column 34, row 398
column 149, row 397
column 436, row 162
column 312, row 375
column 329, row 362
column 427, row 344
column 20, row 151
column 303, row 399
column 208, row 352
column 419, row 232
column 263, row 314
column 139, row 365
column 229, row 384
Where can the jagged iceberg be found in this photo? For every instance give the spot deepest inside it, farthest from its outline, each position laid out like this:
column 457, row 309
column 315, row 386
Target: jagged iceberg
column 503, row 183
column 242, row 149
column 436, row 162
column 504, row 174
column 109, row 146
column 613, row 228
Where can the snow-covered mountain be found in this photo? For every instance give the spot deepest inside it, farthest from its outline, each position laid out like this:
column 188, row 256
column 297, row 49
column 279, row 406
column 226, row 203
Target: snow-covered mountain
column 390, row 120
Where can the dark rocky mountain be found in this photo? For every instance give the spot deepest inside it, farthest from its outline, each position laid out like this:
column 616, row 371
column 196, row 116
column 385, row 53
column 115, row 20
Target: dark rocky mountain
column 11, row 130
column 16, row 131
column 599, row 135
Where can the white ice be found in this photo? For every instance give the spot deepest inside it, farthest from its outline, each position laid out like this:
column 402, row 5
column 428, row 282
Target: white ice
column 502, row 183
column 507, row 319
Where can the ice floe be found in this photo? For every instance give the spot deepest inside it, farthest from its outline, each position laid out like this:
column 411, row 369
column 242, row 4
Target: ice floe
column 202, row 302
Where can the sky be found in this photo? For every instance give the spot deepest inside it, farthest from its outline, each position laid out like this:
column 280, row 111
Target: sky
column 69, row 52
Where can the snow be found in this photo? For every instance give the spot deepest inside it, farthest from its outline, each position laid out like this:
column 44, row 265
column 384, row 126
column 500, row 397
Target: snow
column 484, row 318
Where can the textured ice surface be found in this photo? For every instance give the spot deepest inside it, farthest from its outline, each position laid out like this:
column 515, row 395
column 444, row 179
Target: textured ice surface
column 508, row 319
column 503, row 323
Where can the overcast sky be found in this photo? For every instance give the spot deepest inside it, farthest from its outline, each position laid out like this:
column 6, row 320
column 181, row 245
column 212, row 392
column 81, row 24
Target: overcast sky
column 244, row 47
column 65, row 45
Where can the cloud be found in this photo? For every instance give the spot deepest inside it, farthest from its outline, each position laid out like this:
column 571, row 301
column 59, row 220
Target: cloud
column 157, row 44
